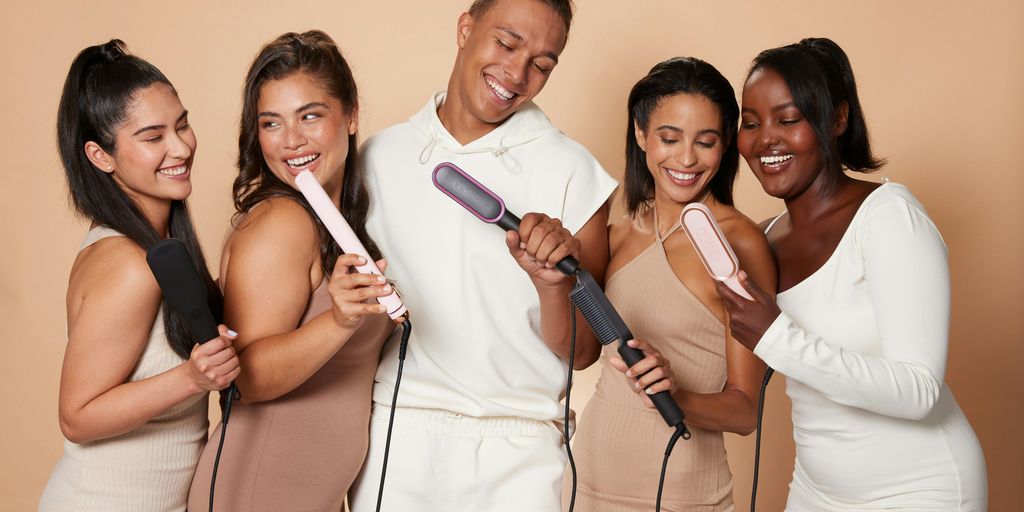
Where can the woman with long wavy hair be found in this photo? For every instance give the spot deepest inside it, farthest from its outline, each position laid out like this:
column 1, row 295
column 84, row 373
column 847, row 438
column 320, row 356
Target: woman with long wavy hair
column 309, row 337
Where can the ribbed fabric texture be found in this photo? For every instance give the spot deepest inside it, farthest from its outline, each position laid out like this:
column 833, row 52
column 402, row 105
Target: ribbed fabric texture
column 620, row 444
column 147, row 469
column 300, row 451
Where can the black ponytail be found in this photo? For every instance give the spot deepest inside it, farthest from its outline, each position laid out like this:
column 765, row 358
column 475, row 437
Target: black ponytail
column 98, row 92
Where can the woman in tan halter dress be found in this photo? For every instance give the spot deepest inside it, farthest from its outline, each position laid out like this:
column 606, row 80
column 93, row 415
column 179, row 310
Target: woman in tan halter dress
column 309, row 332
column 680, row 148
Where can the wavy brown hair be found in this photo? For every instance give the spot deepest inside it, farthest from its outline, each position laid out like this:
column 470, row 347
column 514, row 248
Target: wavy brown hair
column 315, row 54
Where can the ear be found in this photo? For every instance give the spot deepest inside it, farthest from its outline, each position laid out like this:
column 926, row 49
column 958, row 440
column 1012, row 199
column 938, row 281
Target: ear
column 99, row 157
column 353, row 121
column 842, row 117
column 641, row 137
column 464, row 27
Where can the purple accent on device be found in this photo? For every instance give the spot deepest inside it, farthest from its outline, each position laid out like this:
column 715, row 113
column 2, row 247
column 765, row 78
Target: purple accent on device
column 480, row 201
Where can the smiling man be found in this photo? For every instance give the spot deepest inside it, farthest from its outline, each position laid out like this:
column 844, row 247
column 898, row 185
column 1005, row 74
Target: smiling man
column 476, row 426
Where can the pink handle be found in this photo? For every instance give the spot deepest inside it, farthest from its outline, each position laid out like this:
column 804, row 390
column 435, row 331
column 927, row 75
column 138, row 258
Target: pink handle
column 712, row 247
column 343, row 235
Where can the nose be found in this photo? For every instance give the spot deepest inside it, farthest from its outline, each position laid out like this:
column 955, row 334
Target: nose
column 767, row 137
column 516, row 69
column 179, row 148
column 687, row 156
column 294, row 138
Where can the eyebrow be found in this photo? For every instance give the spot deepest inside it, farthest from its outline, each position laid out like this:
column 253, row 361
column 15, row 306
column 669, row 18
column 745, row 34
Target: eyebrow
column 680, row 130
column 519, row 37
column 183, row 115
column 307, row 106
column 776, row 108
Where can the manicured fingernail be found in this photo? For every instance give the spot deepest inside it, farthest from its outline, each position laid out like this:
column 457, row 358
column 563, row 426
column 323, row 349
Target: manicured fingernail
column 629, row 373
column 232, row 333
column 361, row 260
column 649, row 391
column 387, row 288
column 636, row 386
column 380, row 279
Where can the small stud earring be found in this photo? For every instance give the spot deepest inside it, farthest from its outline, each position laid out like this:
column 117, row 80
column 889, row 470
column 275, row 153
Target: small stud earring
column 110, row 168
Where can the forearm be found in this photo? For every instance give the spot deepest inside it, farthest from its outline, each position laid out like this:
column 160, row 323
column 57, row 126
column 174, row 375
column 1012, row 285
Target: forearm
column 128, row 406
column 274, row 365
column 730, row 410
column 902, row 389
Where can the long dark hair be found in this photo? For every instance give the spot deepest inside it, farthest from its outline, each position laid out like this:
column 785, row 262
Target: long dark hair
column 101, row 86
column 820, row 79
column 316, row 54
column 679, row 75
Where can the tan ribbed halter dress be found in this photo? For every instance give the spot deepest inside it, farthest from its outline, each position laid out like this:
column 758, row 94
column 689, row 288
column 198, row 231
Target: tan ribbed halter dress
column 620, row 443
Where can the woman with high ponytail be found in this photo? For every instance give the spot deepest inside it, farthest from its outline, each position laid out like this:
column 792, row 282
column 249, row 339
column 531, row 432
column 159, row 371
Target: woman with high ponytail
column 134, row 384
column 860, row 324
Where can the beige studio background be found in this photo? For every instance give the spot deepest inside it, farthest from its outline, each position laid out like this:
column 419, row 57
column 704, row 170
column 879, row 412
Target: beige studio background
column 940, row 81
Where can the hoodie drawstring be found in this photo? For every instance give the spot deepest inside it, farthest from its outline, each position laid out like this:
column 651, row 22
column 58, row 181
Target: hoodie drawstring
column 429, row 149
column 507, row 160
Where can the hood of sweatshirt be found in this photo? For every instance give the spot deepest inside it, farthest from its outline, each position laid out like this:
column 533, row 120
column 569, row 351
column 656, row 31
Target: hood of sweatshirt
column 527, row 124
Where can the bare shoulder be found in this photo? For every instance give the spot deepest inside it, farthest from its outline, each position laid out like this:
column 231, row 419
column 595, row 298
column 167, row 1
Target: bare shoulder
column 276, row 234
column 278, row 222
column 743, row 233
column 113, row 271
column 749, row 244
column 619, row 231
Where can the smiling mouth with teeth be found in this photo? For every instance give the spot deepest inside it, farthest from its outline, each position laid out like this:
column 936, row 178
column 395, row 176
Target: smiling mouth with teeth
column 775, row 159
column 502, row 92
column 302, row 160
column 682, row 176
column 174, row 171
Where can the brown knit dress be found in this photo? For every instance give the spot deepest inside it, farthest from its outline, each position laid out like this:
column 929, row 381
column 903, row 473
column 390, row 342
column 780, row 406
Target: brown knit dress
column 299, row 452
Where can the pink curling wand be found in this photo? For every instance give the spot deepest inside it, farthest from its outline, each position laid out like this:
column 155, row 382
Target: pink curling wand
column 344, row 236
column 712, row 247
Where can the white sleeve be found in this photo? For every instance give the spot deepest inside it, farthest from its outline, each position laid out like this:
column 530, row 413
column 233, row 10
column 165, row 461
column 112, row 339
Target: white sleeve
column 588, row 188
column 907, row 273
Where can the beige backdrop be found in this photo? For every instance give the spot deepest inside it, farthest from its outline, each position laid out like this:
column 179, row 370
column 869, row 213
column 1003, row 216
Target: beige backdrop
column 940, row 81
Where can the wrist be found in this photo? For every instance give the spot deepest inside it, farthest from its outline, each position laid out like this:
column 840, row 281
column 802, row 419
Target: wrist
column 186, row 373
column 559, row 290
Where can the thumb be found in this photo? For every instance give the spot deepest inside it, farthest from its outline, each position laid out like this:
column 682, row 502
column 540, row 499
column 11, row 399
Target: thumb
column 752, row 288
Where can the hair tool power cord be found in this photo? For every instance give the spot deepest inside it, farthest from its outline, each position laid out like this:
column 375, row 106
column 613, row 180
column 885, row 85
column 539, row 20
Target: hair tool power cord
column 184, row 291
column 586, row 295
column 342, row 233
column 701, row 228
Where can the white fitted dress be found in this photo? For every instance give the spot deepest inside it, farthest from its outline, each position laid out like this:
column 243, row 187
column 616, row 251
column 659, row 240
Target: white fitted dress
column 863, row 344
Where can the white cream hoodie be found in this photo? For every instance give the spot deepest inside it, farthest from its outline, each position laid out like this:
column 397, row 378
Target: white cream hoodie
column 475, row 347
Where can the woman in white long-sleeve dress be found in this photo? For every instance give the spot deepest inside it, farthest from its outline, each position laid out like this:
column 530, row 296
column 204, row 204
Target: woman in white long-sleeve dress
column 860, row 328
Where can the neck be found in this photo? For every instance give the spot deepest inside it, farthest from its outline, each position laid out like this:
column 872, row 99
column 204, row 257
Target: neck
column 460, row 123
column 669, row 211
column 158, row 215
column 816, row 200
